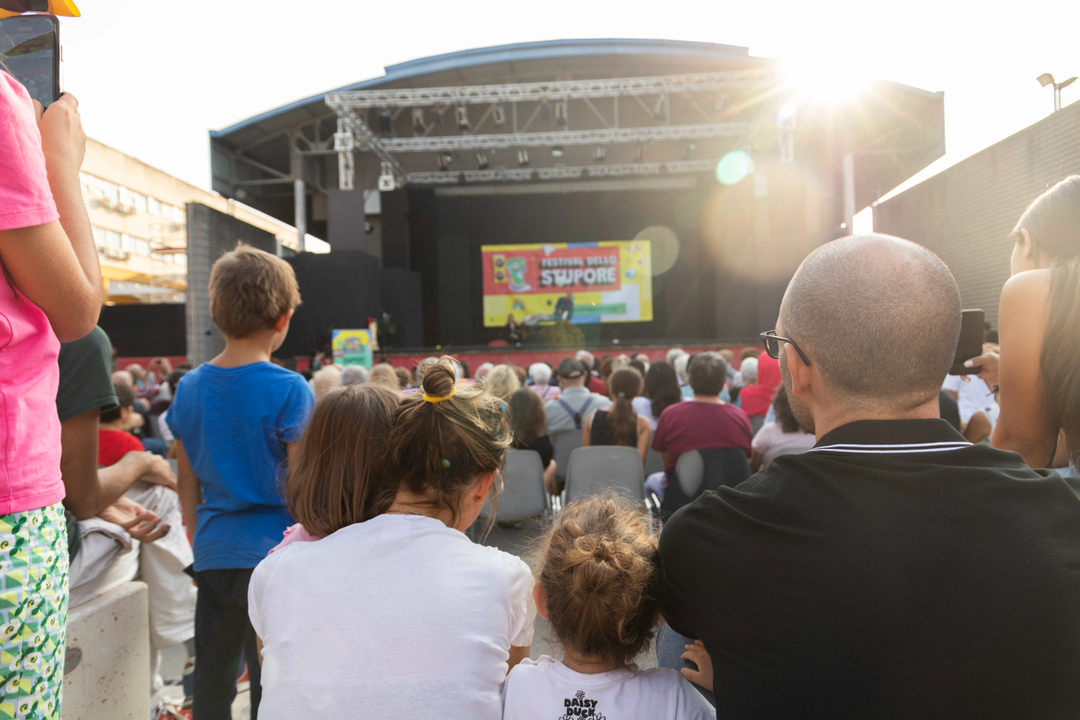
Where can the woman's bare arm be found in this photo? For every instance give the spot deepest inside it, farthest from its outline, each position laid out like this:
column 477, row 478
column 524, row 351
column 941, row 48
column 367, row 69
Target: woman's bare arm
column 644, row 436
column 1023, row 426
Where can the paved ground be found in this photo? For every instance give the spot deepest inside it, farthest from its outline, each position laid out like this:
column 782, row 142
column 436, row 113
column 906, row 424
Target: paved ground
column 516, row 540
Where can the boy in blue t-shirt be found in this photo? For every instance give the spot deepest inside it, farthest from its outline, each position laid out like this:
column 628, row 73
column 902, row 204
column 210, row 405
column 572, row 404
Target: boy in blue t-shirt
column 237, row 419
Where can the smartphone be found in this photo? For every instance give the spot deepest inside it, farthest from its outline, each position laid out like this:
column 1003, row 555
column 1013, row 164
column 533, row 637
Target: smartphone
column 30, row 50
column 972, row 336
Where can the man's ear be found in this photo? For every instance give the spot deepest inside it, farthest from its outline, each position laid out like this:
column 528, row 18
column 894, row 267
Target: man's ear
column 283, row 321
column 540, row 600
column 800, row 373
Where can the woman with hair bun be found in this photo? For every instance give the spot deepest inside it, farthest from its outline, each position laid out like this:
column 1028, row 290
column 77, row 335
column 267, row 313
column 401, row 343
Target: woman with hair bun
column 394, row 613
column 620, row 424
column 598, row 583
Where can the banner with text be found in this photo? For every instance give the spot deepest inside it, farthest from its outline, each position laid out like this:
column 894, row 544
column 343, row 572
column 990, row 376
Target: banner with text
column 581, row 283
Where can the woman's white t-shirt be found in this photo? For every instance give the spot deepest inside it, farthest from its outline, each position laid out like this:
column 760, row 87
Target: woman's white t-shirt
column 545, row 689
column 397, row 617
column 643, row 406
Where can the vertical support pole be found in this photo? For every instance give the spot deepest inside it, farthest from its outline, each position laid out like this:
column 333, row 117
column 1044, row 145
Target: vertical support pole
column 849, row 190
column 344, row 143
column 299, row 194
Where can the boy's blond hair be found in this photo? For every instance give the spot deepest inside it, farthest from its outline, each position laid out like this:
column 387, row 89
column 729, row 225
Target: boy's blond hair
column 250, row 290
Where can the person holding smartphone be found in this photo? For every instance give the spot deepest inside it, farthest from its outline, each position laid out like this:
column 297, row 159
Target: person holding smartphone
column 50, row 293
column 1038, row 327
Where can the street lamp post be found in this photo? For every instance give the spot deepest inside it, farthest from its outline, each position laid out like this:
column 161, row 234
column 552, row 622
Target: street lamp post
column 1048, row 79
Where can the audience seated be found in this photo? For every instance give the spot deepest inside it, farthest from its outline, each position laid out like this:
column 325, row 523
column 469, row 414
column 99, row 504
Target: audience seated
column 894, row 570
column 529, row 422
column 540, row 374
column 385, row 375
column 403, row 378
column 660, row 391
column 483, row 370
column 706, row 421
column 592, row 378
column 354, row 375
column 780, row 434
column 326, row 378
column 502, row 382
column 621, row 424
column 756, row 399
column 569, row 410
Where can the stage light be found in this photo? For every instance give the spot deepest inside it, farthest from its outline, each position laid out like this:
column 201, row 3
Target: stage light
column 418, row 121
column 562, row 118
column 787, row 112
column 639, row 154
column 481, row 160
column 834, row 83
column 734, row 167
column 688, row 150
column 601, row 154
column 386, row 122
column 658, row 108
column 499, row 115
column 437, row 116
column 444, row 162
column 523, row 157
column 557, row 151
column 462, row 114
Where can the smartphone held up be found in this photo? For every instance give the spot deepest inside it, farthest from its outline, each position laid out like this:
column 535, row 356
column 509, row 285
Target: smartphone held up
column 970, row 345
column 30, row 52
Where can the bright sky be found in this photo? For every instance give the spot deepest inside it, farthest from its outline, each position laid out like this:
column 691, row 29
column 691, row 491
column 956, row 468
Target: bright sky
column 154, row 76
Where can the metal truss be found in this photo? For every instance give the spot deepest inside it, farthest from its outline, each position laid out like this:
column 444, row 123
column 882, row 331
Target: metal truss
column 554, row 90
column 368, row 140
column 561, row 173
column 600, row 136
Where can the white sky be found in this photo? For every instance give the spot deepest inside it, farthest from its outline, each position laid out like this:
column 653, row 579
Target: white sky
column 154, row 76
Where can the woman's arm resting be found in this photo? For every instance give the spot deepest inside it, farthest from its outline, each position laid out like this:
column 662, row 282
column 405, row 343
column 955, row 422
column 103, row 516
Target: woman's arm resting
column 517, row 654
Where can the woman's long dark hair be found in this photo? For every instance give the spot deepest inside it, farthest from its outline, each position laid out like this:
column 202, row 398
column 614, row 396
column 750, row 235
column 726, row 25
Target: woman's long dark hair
column 624, row 387
column 527, row 416
column 662, row 387
column 1053, row 222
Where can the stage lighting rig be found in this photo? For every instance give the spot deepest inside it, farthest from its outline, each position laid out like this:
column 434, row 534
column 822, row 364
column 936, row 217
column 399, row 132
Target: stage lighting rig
column 562, row 118
column 418, row 121
column 499, row 115
column 462, row 114
column 523, row 157
column 601, row 154
column 557, row 151
column 481, row 161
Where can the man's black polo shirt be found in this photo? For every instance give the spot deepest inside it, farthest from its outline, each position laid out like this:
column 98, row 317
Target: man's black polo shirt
column 893, row 571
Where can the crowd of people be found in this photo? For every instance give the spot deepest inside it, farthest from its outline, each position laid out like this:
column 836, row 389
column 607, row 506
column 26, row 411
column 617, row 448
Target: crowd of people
column 884, row 560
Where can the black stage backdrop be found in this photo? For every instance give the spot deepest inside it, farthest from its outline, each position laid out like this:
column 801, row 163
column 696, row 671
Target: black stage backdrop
column 683, row 298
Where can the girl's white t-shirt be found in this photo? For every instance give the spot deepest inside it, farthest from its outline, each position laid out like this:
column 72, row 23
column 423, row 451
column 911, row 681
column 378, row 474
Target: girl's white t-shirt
column 397, row 617
column 545, row 689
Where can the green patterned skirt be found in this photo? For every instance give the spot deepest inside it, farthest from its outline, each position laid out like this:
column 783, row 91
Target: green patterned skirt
column 33, row 613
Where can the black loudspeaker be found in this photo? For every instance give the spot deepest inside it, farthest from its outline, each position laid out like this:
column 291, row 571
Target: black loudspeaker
column 340, row 290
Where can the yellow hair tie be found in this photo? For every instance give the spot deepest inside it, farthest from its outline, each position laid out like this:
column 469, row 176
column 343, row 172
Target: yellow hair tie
column 440, row 398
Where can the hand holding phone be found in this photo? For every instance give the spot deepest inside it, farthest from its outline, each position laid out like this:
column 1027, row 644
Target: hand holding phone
column 970, row 344
column 30, row 50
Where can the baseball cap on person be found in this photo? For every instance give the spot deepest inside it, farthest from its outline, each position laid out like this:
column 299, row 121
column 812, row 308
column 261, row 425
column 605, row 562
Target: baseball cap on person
column 570, row 368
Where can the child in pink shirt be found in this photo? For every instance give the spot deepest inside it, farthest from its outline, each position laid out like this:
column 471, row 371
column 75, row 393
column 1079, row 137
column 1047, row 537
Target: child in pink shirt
column 50, row 291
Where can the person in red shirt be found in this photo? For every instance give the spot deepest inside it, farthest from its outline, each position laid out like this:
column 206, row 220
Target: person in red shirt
column 113, row 441
column 706, row 421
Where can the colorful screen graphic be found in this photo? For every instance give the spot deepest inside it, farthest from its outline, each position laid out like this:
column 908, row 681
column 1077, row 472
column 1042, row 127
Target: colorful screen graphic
column 581, row 283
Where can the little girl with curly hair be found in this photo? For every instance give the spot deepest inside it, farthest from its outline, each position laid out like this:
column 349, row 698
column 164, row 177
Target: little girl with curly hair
column 598, row 583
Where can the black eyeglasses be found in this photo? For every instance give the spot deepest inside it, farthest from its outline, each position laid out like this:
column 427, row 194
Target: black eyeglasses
column 772, row 346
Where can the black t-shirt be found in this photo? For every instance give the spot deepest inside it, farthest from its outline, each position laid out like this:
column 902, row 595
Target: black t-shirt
column 893, row 571
column 541, row 445
column 85, row 384
column 85, row 376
